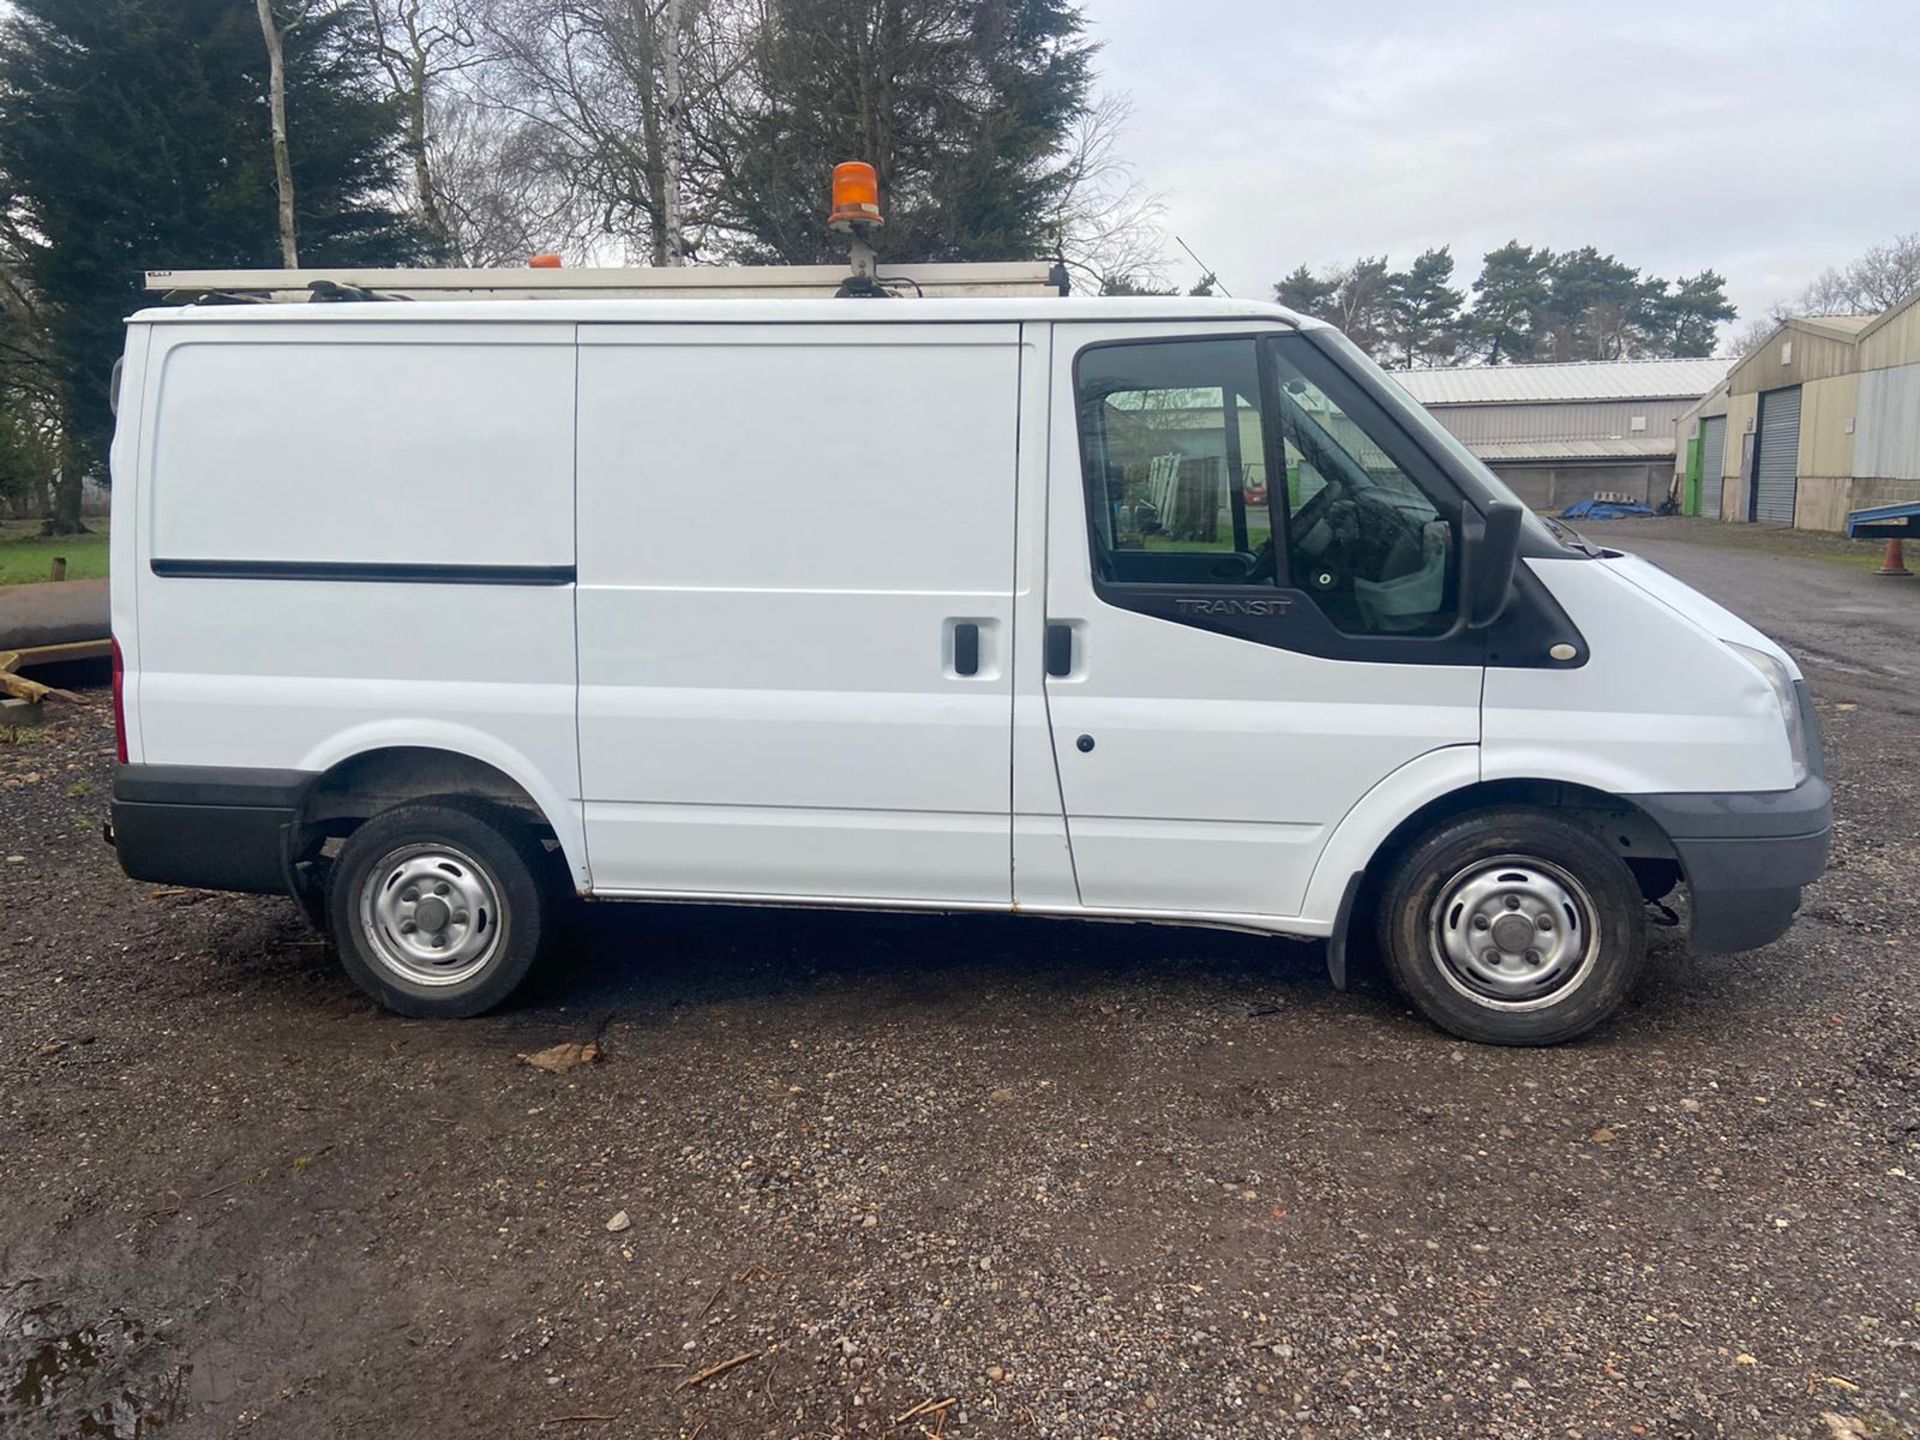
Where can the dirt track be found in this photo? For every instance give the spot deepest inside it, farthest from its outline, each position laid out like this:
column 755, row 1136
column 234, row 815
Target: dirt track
column 1082, row 1180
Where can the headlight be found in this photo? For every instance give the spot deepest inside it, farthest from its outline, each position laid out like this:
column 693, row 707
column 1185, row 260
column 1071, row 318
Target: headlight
column 1777, row 676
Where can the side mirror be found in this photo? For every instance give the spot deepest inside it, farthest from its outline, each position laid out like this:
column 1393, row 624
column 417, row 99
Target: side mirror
column 1493, row 549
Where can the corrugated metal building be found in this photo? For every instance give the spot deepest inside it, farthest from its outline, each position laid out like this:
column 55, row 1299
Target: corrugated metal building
column 1561, row 433
column 1822, row 417
column 1886, row 442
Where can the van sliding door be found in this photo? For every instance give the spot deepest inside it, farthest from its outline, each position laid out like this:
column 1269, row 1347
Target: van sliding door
column 795, row 609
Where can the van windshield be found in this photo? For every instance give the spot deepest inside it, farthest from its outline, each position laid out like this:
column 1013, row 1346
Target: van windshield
column 1418, row 420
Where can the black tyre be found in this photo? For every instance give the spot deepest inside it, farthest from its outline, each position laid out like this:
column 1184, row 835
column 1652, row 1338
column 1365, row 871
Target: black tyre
column 439, row 907
column 1512, row 927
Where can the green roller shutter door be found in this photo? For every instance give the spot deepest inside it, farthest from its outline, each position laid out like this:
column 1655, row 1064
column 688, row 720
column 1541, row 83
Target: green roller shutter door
column 1713, row 454
column 1777, row 469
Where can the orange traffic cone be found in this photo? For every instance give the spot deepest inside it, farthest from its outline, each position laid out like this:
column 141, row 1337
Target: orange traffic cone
column 1893, row 563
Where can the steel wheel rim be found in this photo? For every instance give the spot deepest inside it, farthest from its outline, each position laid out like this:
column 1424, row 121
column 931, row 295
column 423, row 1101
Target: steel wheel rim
column 432, row 914
column 1476, row 924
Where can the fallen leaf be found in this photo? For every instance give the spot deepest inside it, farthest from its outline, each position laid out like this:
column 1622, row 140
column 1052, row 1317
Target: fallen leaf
column 1603, row 1136
column 562, row 1057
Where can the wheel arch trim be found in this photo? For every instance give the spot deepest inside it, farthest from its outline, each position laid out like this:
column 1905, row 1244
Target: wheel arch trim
column 1447, row 781
column 561, row 813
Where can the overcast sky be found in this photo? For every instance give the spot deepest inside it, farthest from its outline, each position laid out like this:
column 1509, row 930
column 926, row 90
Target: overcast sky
column 1764, row 140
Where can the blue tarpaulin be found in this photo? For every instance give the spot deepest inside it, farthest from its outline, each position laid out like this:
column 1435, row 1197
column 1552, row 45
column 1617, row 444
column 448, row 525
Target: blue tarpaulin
column 1605, row 510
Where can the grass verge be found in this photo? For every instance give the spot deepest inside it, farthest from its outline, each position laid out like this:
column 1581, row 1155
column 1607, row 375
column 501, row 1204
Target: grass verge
column 26, row 557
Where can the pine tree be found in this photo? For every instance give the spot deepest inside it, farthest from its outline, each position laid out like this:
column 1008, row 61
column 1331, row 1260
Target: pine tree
column 134, row 136
column 1306, row 293
column 962, row 106
column 1690, row 316
column 1357, row 299
column 1510, row 303
column 1597, row 307
column 1426, row 311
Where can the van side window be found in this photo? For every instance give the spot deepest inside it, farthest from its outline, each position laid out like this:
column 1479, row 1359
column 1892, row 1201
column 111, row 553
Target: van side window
column 1364, row 540
column 1174, row 456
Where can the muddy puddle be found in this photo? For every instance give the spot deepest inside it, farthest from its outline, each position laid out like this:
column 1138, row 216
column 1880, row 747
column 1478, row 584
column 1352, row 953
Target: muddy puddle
column 63, row 1376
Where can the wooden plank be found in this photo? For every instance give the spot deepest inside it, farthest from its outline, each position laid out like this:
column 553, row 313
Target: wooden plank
column 62, row 654
column 21, row 688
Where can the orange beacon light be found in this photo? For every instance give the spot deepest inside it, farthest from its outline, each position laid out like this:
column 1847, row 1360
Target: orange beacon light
column 856, row 196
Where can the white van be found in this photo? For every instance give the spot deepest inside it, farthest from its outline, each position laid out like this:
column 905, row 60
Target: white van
column 1166, row 610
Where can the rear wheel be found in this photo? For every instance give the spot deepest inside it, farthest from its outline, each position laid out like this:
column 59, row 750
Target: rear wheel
column 440, row 907
column 1512, row 927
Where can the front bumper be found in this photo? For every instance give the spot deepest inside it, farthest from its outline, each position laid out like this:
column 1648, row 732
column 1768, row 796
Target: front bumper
column 1745, row 856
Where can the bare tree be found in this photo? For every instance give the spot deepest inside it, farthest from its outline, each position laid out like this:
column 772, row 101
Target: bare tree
column 500, row 196
column 1752, row 335
column 590, row 77
column 1108, row 222
column 277, row 108
column 1880, row 279
column 419, row 44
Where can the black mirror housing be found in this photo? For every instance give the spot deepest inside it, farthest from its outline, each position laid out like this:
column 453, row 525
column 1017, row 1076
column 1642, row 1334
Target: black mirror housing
column 1493, row 550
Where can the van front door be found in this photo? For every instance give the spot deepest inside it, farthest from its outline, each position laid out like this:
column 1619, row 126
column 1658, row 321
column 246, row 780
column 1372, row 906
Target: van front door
column 1252, row 593
column 795, row 604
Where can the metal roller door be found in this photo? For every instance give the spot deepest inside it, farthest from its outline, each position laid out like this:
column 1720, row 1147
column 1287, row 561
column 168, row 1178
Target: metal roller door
column 1779, row 462
column 1713, row 454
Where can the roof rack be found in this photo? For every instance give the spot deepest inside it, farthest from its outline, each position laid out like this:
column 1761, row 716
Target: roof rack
column 801, row 282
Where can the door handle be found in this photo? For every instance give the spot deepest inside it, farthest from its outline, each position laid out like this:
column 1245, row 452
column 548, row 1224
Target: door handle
column 966, row 648
column 1059, row 649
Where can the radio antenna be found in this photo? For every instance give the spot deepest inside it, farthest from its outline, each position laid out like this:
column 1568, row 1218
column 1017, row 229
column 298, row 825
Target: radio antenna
column 1204, row 271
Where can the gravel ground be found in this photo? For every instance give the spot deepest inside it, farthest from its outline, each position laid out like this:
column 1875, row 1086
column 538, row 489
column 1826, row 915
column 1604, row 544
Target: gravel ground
column 1081, row 1180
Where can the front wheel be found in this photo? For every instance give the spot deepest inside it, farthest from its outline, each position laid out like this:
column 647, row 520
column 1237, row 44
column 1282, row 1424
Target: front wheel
column 439, row 907
column 1512, row 927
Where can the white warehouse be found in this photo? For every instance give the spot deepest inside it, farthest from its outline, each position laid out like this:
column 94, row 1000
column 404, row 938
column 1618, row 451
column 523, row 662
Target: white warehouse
column 1563, row 432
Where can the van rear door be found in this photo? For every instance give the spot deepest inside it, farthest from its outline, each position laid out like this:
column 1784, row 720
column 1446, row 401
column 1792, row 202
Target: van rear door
column 1252, row 606
column 795, row 605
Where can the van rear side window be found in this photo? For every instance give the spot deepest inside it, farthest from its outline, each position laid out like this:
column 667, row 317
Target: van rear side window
column 342, row 452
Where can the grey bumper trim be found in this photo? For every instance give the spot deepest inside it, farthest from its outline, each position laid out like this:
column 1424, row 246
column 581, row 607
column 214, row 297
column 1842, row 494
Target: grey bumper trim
column 1746, row 855
column 210, row 785
column 1742, row 814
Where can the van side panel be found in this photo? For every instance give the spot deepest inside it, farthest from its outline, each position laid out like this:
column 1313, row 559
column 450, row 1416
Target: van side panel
column 366, row 443
column 783, row 529
column 358, row 536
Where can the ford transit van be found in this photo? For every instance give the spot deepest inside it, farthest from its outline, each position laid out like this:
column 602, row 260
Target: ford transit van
column 1172, row 610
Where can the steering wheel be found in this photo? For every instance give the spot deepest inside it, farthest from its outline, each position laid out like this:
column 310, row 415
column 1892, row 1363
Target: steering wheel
column 1315, row 510
column 1325, row 573
column 1266, row 566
